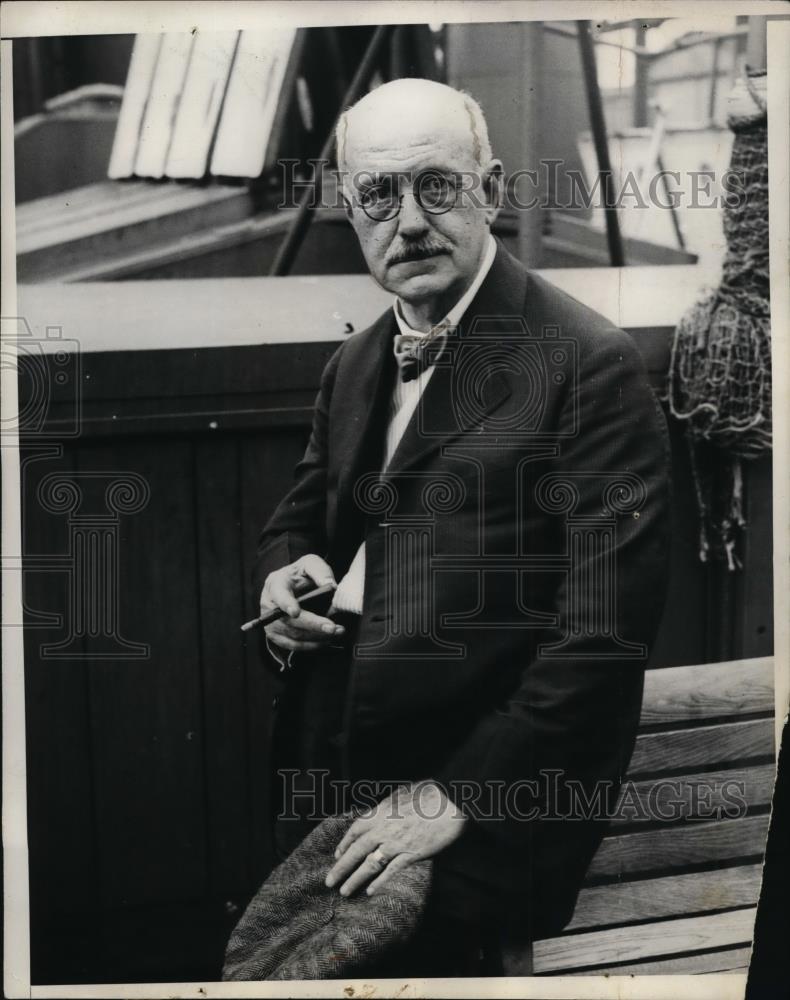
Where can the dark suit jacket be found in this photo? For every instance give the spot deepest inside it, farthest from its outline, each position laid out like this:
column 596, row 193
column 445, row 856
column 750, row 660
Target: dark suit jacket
column 541, row 446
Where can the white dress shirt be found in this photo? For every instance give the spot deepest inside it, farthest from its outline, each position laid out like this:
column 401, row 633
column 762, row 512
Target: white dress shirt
column 405, row 397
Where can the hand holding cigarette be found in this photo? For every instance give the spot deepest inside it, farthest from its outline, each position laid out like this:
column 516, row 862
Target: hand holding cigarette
column 275, row 614
column 287, row 624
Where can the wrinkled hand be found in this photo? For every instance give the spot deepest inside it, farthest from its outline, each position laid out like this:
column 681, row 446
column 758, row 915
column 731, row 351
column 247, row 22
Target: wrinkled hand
column 301, row 630
column 415, row 822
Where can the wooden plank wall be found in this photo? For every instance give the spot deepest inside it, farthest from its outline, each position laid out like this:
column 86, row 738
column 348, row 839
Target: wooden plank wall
column 148, row 778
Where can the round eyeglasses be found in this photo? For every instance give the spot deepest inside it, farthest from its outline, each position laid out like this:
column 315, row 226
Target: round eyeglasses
column 434, row 192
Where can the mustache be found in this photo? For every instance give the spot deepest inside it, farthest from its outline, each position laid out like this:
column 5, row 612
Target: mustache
column 418, row 250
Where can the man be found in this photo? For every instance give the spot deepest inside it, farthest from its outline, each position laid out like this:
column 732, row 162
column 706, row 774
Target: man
column 486, row 483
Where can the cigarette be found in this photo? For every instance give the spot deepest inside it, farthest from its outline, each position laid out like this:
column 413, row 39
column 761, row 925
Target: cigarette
column 276, row 613
column 271, row 616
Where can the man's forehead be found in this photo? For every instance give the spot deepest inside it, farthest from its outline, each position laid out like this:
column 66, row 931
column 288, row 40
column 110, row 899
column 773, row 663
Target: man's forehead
column 382, row 133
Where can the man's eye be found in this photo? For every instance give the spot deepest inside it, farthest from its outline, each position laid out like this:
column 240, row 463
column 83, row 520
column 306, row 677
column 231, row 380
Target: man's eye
column 436, row 191
column 377, row 193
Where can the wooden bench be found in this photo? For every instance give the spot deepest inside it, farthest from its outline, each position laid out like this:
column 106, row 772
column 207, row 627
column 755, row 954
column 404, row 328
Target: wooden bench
column 678, row 897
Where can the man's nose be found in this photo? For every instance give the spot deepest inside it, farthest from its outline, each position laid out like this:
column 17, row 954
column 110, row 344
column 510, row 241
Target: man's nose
column 411, row 220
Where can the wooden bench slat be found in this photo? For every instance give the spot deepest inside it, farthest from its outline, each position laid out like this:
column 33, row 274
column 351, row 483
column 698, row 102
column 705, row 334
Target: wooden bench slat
column 628, row 944
column 671, row 896
column 642, row 926
column 701, row 747
column 679, row 847
column 695, row 795
column 713, row 690
column 731, row 960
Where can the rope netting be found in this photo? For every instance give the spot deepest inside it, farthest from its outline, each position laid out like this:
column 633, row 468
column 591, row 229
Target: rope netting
column 720, row 368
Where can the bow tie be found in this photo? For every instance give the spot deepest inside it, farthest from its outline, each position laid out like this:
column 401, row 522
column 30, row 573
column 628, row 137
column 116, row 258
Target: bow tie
column 414, row 354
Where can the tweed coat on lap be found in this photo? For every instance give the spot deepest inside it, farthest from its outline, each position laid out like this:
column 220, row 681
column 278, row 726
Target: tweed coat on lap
column 296, row 928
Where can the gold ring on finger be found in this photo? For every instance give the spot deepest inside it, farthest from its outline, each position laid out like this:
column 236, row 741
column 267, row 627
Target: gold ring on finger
column 378, row 858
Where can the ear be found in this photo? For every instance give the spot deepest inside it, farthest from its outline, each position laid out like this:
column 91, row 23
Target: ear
column 493, row 189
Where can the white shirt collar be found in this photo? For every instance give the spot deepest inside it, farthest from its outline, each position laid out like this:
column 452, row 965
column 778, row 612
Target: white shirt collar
column 455, row 315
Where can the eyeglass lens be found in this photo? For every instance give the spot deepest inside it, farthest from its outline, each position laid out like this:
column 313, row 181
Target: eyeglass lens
column 435, row 193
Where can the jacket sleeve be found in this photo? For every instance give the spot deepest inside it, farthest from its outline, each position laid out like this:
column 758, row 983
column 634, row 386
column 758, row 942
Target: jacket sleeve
column 298, row 525
column 577, row 714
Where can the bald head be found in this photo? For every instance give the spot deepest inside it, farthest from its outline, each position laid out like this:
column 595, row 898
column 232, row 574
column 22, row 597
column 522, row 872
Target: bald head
column 412, row 114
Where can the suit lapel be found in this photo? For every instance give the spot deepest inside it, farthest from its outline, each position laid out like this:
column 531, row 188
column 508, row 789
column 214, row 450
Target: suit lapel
column 438, row 418
column 364, row 394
